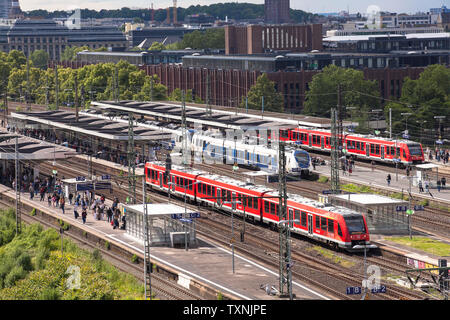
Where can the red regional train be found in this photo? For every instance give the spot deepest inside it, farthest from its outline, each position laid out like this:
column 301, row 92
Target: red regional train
column 338, row 226
column 359, row 146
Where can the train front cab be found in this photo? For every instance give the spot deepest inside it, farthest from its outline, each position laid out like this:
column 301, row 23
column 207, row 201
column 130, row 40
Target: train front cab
column 355, row 233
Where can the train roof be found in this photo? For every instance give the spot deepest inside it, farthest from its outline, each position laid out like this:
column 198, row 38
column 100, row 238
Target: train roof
column 359, row 135
column 259, row 188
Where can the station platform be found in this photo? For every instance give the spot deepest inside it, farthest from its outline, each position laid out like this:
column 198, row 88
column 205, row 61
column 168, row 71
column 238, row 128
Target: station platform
column 207, row 263
column 377, row 178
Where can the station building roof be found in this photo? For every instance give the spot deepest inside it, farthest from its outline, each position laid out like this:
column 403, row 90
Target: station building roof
column 217, row 118
column 31, row 149
column 91, row 126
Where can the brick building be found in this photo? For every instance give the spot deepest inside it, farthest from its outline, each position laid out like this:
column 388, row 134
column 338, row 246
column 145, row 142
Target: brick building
column 276, row 11
column 256, row 39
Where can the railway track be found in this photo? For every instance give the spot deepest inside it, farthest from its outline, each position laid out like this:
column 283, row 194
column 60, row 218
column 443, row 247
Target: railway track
column 267, row 253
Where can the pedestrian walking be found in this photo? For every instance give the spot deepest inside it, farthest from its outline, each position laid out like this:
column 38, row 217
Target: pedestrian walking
column 70, row 198
column 420, row 186
column 62, row 203
column 31, row 190
column 83, row 214
column 75, row 210
column 427, row 187
column 443, row 181
column 438, row 184
column 388, row 179
column 109, row 214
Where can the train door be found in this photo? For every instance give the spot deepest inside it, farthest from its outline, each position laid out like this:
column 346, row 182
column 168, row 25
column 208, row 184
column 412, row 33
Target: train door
column 322, row 142
column 382, row 151
column 367, row 149
column 174, row 179
column 219, row 196
column 291, row 217
column 310, row 224
column 161, row 179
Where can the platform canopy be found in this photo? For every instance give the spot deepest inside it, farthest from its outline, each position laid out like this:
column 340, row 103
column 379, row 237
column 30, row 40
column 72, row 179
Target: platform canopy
column 31, row 149
column 91, row 126
column 427, row 166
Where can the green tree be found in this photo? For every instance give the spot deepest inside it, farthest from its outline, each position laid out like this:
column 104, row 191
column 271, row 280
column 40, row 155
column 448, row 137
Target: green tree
column 16, row 59
column 157, row 46
column 356, row 92
column 70, row 53
column 424, row 98
column 273, row 100
column 39, row 59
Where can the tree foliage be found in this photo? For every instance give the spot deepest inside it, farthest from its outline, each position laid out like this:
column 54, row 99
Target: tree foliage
column 356, row 92
column 424, row 98
column 273, row 100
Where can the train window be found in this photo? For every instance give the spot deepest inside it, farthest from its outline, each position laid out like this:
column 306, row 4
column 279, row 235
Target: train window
column 303, row 221
column 398, row 152
column 323, row 222
column 255, row 203
column 339, row 230
column 209, row 189
column 355, row 224
column 392, row 151
column 372, row 148
column 213, row 191
column 377, row 149
column 317, row 222
column 284, row 133
column 266, row 206
column 404, row 154
column 330, row 226
column 297, row 214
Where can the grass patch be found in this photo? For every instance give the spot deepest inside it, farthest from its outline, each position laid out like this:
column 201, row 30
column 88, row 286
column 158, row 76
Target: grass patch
column 323, row 179
column 425, row 244
column 332, row 256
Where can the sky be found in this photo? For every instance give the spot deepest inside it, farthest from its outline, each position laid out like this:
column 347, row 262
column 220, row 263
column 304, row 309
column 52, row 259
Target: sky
column 316, row 6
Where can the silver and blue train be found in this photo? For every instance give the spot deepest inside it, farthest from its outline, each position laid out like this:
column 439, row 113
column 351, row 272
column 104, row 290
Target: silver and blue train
column 219, row 149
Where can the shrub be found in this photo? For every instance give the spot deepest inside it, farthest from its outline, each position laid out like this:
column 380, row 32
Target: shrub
column 135, row 259
column 17, row 273
column 50, row 294
column 24, row 261
column 107, row 245
column 96, row 255
column 33, row 212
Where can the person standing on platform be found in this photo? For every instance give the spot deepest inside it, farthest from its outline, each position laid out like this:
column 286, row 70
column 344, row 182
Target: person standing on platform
column 83, row 214
column 426, row 186
column 75, row 209
column 420, row 186
column 62, row 202
column 388, row 179
column 438, row 184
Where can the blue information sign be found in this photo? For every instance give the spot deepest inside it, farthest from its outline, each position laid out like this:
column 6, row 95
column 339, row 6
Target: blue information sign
column 418, row 208
column 354, row 290
column 401, row 208
column 380, row 289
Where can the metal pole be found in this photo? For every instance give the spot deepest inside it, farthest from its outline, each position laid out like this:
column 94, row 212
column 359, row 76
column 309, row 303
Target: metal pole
column 390, row 123
column 185, row 213
column 17, row 186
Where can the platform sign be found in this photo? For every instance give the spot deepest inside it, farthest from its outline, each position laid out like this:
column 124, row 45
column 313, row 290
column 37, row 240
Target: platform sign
column 106, row 177
column 379, row 289
column 186, row 220
column 401, row 208
column 194, row 215
column 418, row 208
column 353, row 290
column 439, row 141
column 103, row 186
column 177, row 216
column 405, row 135
column 80, row 178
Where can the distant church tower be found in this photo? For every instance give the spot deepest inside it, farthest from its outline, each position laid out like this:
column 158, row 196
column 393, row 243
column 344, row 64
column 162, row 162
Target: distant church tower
column 276, row 11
